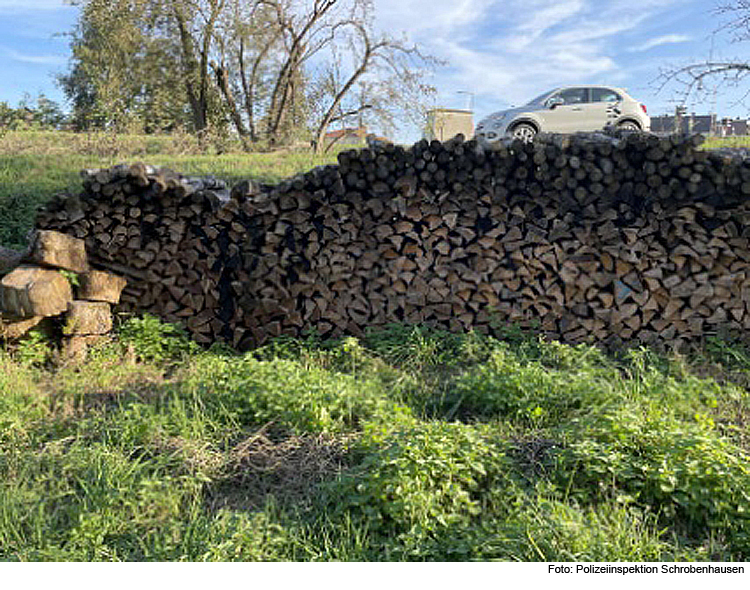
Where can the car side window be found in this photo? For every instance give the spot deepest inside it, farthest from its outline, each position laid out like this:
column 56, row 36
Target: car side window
column 604, row 95
column 574, row 95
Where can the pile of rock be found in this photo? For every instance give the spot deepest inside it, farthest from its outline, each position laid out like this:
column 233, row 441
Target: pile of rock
column 54, row 280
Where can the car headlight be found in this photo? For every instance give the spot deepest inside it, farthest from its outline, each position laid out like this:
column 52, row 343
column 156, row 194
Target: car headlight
column 492, row 122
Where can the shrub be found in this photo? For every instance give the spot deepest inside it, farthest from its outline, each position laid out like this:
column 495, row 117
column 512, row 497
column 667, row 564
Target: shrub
column 33, row 350
column 153, row 340
column 419, row 348
column 527, row 392
column 294, row 396
column 693, row 479
column 417, row 484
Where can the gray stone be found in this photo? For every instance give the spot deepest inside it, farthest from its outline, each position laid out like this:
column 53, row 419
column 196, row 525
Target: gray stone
column 51, row 248
column 97, row 285
column 88, row 318
column 30, row 291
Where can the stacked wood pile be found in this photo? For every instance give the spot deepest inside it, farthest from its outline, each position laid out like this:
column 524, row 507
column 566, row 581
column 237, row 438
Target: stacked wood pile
column 53, row 280
column 594, row 237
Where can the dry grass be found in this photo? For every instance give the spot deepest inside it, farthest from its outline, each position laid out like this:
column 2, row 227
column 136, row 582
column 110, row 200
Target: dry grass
column 287, row 469
column 713, row 143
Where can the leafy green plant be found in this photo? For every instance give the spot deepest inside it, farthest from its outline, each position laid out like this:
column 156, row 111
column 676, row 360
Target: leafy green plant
column 290, row 394
column 34, row 349
column 420, row 349
column 286, row 347
column 154, row 340
column 510, row 387
column 416, row 484
column 681, row 471
column 733, row 355
column 71, row 277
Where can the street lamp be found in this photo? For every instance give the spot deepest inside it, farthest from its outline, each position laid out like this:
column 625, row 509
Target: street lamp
column 471, row 98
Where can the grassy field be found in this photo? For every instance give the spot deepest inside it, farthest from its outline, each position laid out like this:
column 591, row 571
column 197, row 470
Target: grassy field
column 408, row 444
column 712, row 143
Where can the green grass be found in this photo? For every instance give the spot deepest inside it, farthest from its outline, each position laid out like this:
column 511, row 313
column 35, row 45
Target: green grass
column 713, row 143
column 409, row 444
column 35, row 166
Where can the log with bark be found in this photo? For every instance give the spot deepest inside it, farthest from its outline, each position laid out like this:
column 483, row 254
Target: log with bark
column 606, row 238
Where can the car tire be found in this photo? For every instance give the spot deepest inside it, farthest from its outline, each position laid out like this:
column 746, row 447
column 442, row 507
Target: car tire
column 524, row 132
column 629, row 126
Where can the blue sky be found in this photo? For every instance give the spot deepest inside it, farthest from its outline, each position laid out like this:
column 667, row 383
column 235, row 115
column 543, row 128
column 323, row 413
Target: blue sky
column 504, row 52
column 507, row 52
column 32, row 48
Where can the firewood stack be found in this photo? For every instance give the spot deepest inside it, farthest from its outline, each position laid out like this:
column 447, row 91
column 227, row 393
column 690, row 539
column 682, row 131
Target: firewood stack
column 591, row 237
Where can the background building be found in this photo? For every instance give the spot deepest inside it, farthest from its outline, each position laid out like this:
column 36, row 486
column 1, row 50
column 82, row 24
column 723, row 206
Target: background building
column 444, row 124
column 684, row 123
column 351, row 136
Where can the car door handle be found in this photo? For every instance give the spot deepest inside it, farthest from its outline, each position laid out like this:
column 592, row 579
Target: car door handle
column 577, row 109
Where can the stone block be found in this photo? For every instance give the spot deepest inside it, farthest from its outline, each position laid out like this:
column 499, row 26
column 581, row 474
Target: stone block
column 30, row 291
column 51, row 248
column 9, row 259
column 97, row 285
column 74, row 349
column 14, row 329
column 88, row 318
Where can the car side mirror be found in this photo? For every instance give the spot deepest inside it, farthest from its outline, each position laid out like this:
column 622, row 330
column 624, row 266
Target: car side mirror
column 554, row 102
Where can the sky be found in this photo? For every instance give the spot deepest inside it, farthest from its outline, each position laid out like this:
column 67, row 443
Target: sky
column 499, row 53
column 507, row 52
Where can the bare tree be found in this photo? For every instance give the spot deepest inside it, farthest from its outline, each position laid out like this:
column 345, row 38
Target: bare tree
column 277, row 37
column 257, row 45
column 305, row 33
column 386, row 70
column 246, row 49
column 196, row 22
column 697, row 81
column 271, row 69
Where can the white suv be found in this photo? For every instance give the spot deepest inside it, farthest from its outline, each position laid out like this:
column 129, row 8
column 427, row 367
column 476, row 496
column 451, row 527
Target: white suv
column 567, row 110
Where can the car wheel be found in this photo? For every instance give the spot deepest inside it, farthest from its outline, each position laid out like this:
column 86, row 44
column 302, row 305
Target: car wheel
column 524, row 132
column 629, row 126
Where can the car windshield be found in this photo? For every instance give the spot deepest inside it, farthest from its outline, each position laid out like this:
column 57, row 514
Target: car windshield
column 541, row 98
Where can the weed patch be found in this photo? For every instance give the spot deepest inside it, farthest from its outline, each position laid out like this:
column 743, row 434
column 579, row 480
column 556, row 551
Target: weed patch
column 407, row 444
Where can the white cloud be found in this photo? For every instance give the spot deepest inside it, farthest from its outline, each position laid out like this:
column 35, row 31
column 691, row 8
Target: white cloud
column 505, row 52
column 49, row 60
column 438, row 18
column 539, row 17
column 663, row 40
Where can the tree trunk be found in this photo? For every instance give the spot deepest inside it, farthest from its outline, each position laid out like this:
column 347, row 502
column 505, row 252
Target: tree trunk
column 280, row 94
column 248, row 84
column 328, row 117
column 198, row 106
column 197, row 71
column 223, row 82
